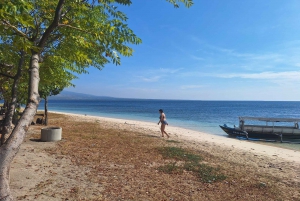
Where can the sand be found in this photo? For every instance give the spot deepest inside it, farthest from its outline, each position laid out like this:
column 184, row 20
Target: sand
column 33, row 166
column 197, row 137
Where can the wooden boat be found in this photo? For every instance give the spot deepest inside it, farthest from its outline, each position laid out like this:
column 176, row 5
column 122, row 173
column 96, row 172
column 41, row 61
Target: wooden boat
column 273, row 128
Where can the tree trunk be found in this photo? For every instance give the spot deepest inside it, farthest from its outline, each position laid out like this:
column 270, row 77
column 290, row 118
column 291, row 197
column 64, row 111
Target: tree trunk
column 11, row 147
column 46, row 111
column 7, row 125
column 5, row 106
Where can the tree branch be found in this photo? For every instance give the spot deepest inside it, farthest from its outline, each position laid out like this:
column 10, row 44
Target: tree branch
column 5, row 22
column 53, row 25
column 6, row 75
column 76, row 28
column 4, row 65
column 65, row 13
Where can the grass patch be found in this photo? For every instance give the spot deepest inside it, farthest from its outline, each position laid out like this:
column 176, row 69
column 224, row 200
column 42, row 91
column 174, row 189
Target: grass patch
column 209, row 174
column 172, row 141
column 179, row 154
column 151, row 136
column 191, row 163
column 170, row 168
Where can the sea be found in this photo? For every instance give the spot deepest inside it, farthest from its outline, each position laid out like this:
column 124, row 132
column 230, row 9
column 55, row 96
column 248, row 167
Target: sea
column 204, row 116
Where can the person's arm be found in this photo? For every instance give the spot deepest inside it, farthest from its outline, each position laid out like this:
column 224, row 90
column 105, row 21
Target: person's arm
column 159, row 120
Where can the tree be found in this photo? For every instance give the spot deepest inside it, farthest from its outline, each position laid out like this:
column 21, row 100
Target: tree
column 45, row 93
column 11, row 71
column 55, row 76
column 95, row 32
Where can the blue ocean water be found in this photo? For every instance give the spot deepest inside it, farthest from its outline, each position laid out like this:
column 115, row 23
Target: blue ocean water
column 205, row 116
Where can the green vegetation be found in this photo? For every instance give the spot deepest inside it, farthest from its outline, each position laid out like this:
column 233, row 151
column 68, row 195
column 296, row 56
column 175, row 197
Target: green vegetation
column 170, row 168
column 189, row 162
column 179, row 154
column 172, row 141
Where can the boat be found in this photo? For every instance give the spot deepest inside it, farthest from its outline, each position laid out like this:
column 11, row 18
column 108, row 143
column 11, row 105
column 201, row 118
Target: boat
column 272, row 128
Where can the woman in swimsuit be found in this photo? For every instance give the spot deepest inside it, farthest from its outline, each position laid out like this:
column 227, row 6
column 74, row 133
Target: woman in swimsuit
column 163, row 121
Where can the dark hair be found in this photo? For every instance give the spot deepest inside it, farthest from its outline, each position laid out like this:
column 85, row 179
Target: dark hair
column 160, row 110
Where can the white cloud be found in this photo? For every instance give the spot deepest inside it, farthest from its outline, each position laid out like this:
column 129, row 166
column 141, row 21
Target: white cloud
column 291, row 75
column 156, row 75
column 275, row 57
column 274, row 77
column 264, row 56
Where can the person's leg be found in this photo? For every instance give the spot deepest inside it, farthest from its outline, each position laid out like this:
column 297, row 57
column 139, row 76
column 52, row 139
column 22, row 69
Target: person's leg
column 167, row 134
column 162, row 128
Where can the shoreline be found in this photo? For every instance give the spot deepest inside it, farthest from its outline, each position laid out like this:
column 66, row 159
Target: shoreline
column 196, row 137
column 181, row 123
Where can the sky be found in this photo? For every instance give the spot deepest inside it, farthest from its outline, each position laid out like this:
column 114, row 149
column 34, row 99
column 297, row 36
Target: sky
column 215, row 50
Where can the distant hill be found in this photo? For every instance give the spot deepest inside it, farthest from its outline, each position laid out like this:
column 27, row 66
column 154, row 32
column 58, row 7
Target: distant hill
column 68, row 95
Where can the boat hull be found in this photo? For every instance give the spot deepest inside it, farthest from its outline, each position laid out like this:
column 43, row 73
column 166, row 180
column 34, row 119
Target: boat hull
column 233, row 132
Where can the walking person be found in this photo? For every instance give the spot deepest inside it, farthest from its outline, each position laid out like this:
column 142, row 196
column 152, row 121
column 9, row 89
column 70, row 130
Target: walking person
column 163, row 121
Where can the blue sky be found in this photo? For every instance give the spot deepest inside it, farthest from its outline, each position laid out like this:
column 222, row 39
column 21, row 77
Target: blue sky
column 215, row 50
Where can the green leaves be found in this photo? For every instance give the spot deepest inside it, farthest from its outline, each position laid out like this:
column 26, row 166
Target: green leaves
column 88, row 33
column 123, row 2
column 14, row 7
column 187, row 3
column 88, row 29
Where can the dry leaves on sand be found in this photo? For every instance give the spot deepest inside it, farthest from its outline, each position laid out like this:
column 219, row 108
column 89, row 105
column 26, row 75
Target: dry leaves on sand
column 108, row 161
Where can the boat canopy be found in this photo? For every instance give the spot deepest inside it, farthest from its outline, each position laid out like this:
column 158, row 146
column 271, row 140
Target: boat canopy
column 270, row 119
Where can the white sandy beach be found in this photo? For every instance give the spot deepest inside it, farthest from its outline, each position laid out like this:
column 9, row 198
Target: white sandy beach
column 35, row 170
column 200, row 137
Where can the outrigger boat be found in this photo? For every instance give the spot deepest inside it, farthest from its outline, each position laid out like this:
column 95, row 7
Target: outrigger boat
column 268, row 131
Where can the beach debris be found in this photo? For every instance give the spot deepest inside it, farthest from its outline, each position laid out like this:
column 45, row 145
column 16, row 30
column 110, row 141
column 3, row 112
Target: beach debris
column 271, row 165
column 262, row 184
column 129, row 124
